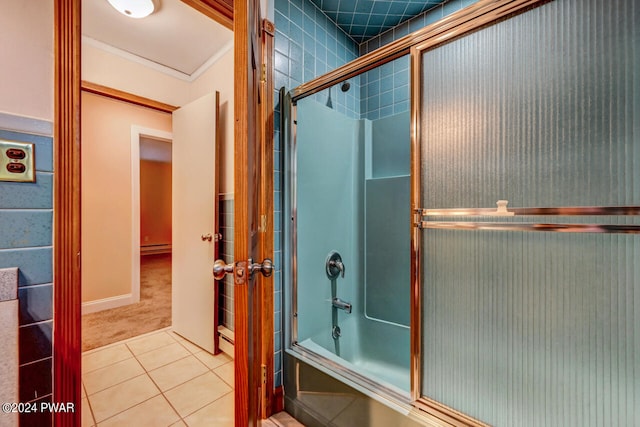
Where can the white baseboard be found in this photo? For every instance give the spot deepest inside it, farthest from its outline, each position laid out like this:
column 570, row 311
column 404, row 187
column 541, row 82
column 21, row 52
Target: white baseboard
column 226, row 341
column 107, row 303
column 155, row 249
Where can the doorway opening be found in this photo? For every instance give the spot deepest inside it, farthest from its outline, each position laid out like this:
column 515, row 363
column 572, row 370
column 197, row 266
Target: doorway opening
column 147, row 307
column 128, row 237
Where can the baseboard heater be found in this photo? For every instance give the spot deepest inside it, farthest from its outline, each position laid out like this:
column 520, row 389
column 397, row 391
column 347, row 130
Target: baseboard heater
column 155, row 249
column 226, row 340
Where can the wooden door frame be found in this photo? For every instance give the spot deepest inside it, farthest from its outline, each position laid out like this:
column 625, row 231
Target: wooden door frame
column 67, row 299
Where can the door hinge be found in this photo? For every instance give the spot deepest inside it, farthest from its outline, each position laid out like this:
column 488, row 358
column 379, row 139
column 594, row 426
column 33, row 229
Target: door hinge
column 263, row 73
column 264, row 373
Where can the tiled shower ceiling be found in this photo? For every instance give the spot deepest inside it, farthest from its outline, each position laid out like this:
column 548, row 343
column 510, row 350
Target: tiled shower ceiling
column 363, row 19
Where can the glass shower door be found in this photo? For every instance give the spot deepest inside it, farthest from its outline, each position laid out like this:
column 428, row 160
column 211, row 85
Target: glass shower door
column 530, row 314
column 350, row 211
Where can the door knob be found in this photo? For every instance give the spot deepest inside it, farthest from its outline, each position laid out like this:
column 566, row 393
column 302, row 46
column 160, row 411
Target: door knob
column 207, row 236
column 221, row 268
column 266, row 267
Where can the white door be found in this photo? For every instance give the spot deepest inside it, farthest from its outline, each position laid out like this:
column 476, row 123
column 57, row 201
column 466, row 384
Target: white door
column 194, row 205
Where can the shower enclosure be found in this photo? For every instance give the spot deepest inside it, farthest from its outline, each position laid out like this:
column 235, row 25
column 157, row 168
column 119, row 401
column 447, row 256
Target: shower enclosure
column 351, row 187
column 463, row 219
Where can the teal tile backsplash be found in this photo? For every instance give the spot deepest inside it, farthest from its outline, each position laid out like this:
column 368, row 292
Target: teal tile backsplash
column 25, row 228
column 34, row 264
column 26, row 213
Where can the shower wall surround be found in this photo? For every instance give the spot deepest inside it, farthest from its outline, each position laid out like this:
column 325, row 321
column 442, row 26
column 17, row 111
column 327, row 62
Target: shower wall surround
column 26, row 211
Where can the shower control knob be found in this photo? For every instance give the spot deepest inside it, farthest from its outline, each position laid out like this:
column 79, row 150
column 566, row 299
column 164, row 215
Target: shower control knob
column 334, row 265
column 221, row 269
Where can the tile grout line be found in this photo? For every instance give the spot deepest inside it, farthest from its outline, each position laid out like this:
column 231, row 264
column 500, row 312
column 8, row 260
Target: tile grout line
column 146, row 372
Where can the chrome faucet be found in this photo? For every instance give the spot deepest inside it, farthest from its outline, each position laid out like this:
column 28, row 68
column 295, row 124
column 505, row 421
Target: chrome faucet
column 337, row 264
column 342, row 305
column 334, row 265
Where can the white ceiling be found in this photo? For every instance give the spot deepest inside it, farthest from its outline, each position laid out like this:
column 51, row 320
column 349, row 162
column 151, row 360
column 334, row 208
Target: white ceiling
column 175, row 36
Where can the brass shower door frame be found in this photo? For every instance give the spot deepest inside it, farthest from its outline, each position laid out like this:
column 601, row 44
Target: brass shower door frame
column 458, row 24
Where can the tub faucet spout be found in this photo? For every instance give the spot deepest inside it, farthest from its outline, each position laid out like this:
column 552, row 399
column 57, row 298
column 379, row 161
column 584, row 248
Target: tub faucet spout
column 342, row 305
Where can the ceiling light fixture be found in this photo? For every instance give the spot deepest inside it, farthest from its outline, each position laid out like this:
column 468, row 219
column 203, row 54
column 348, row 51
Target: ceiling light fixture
column 133, row 8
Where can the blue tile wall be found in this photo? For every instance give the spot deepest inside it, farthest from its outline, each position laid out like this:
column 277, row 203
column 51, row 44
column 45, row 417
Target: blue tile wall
column 226, row 207
column 26, row 212
column 428, row 17
column 385, row 91
column 307, row 45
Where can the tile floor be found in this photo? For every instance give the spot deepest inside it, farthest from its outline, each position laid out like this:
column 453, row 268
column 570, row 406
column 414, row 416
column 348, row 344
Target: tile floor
column 160, row 379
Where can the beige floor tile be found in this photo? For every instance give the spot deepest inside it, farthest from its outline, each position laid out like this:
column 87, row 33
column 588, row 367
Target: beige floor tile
column 121, row 397
column 153, row 412
column 285, row 420
column 104, row 357
column 177, row 372
column 186, row 343
column 216, row 414
column 162, row 356
column 83, row 392
column 87, row 417
column 150, row 342
column 111, row 375
column 226, row 372
column 179, row 424
column 212, row 361
column 197, row 393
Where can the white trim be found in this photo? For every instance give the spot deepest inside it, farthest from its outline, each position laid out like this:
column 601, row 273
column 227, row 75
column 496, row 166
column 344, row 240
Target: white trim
column 157, row 66
column 12, row 122
column 226, row 333
column 209, row 63
column 107, row 303
column 226, row 342
column 225, row 196
column 136, row 133
column 155, row 249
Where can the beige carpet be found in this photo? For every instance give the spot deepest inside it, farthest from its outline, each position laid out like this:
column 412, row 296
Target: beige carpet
column 153, row 312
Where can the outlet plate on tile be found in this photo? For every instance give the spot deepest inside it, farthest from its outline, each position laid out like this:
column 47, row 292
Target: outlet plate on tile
column 17, row 161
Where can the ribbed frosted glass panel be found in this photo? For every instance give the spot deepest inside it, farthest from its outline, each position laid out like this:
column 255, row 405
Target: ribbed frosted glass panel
column 541, row 110
column 535, row 328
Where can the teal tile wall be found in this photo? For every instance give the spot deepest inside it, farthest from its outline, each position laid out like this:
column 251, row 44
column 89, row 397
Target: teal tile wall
column 226, row 309
column 307, row 45
column 385, row 90
column 26, row 212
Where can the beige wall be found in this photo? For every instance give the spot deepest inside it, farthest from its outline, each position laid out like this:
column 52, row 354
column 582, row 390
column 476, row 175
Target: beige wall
column 155, row 203
column 26, row 45
column 220, row 77
column 106, row 192
column 110, row 70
